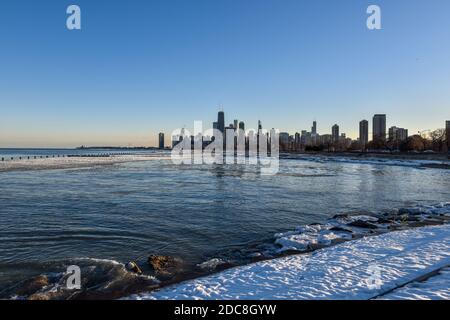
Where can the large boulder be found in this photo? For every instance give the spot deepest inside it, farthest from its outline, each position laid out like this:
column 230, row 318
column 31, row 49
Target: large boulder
column 362, row 224
column 39, row 297
column 33, row 285
column 165, row 266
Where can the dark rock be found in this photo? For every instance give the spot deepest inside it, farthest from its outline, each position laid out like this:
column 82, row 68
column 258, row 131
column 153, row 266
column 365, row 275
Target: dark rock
column 426, row 222
column 32, row 285
column 133, row 267
column 362, row 224
column 410, row 211
column 385, row 220
column 340, row 216
column 224, row 266
column 412, row 218
column 340, row 229
column 165, row 266
column 39, row 296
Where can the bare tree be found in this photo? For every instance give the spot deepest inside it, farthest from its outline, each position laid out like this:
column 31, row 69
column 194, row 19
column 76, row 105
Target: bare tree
column 438, row 139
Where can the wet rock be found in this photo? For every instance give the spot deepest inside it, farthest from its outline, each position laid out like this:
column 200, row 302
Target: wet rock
column 211, row 264
column 410, row 211
column 32, row 285
column 257, row 256
column 412, row 218
column 402, row 211
column 386, row 219
column 39, row 296
column 340, row 216
column 215, row 265
column 165, row 266
column 362, row 224
column 426, row 222
column 133, row 267
column 225, row 266
column 340, row 229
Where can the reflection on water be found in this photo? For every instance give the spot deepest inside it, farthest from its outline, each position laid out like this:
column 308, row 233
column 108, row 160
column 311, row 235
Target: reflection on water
column 134, row 209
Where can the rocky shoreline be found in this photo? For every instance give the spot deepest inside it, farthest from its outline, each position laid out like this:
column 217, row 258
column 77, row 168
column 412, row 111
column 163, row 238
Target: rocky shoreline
column 377, row 155
column 112, row 280
column 346, row 227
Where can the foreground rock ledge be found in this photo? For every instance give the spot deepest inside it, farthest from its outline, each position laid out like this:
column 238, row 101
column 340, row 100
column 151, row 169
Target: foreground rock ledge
column 361, row 269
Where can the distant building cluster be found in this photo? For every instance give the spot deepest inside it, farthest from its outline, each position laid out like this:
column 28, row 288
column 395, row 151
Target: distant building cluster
column 238, row 132
column 381, row 137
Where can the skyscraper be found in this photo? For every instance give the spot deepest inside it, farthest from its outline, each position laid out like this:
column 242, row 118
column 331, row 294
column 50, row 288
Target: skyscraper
column 235, row 124
column 447, row 130
column 259, row 125
column 335, row 133
column 297, row 139
column 242, row 125
column 161, row 140
column 284, row 138
column 221, row 121
column 379, row 127
column 397, row 134
column 314, row 128
column 364, row 133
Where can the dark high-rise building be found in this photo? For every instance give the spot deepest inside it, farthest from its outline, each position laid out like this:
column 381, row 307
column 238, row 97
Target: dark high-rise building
column 314, row 128
column 221, row 121
column 379, row 127
column 242, row 126
column 335, row 133
column 259, row 125
column 364, row 133
column 284, row 138
column 161, row 140
column 447, row 130
column 235, row 124
column 297, row 139
column 398, row 134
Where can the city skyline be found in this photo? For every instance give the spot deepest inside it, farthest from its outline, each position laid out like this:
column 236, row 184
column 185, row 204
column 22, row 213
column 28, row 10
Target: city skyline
column 382, row 136
column 164, row 65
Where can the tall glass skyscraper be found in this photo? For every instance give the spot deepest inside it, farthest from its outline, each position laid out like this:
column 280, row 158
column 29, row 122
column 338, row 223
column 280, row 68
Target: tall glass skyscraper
column 161, row 140
column 379, row 127
column 364, row 133
column 221, row 121
column 335, row 133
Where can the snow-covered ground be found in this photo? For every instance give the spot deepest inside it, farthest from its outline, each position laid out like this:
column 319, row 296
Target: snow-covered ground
column 436, row 287
column 366, row 268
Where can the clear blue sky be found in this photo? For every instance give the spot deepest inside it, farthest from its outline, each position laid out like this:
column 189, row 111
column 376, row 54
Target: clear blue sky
column 139, row 67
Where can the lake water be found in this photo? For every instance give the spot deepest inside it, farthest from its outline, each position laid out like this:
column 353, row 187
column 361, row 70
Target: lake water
column 50, row 218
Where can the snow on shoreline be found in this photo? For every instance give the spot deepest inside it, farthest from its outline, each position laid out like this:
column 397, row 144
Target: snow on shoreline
column 360, row 269
column 79, row 161
column 345, row 227
column 436, row 287
column 368, row 160
column 73, row 162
